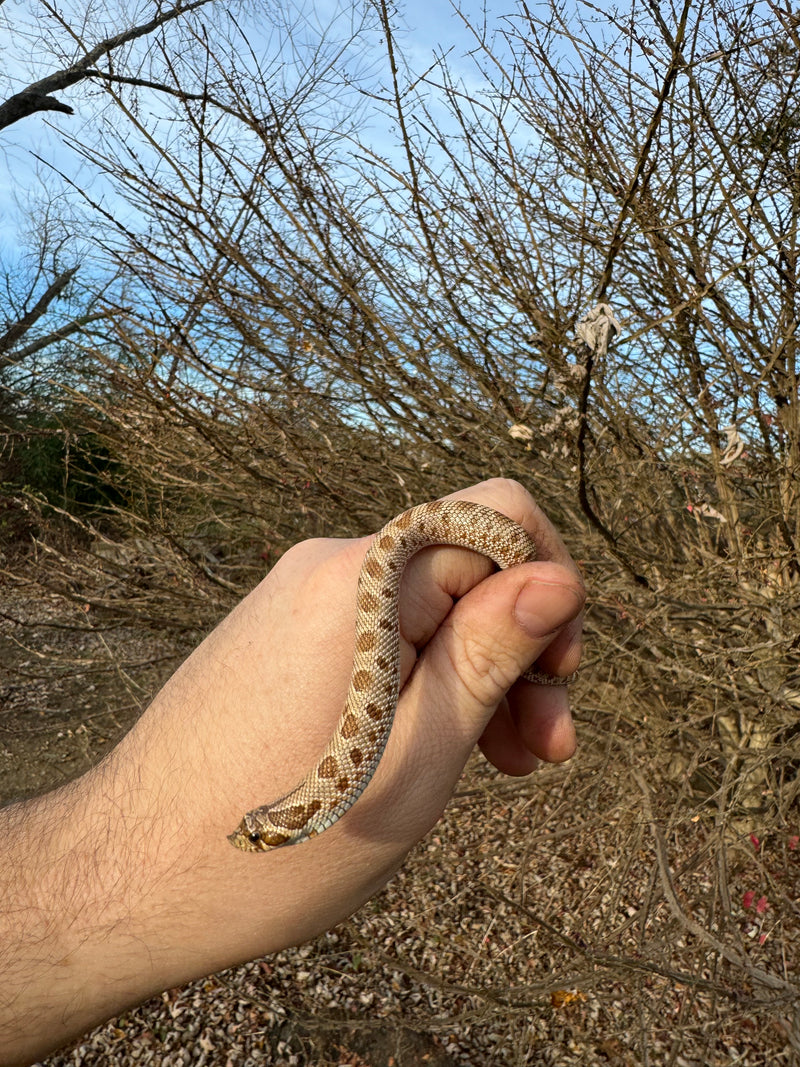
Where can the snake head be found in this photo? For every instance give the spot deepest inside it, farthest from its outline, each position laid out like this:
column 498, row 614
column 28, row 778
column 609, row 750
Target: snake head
column 248, row 838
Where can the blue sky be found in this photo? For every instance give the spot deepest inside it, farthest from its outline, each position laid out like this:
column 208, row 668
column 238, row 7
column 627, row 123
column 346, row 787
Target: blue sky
column 424, row 26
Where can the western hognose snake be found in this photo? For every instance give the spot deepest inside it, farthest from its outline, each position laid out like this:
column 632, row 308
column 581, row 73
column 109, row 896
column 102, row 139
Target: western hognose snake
column 347, row 765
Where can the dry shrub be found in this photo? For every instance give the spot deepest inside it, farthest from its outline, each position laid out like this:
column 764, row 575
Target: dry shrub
column 363, row 333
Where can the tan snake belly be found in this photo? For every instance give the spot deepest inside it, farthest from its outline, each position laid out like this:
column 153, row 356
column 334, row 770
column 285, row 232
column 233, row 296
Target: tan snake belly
column 347, row 765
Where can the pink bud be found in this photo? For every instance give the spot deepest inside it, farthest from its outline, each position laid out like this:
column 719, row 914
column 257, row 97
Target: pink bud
column 748, row 898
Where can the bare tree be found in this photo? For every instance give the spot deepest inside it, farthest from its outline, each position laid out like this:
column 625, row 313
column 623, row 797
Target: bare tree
column 34, row 310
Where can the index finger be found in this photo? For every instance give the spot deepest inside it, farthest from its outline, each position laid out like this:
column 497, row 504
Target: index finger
column 514, row 500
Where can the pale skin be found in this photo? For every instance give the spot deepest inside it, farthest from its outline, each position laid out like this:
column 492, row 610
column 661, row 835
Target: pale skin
column 123, row 883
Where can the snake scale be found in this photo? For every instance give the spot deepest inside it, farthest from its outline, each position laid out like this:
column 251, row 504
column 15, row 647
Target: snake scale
column 347, row 765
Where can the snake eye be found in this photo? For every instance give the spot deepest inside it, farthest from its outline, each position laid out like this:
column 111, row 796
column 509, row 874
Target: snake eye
column 254, row 837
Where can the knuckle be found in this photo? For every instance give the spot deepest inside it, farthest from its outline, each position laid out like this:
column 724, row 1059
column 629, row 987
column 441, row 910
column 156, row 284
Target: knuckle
column 485, row 669
column 514, row 491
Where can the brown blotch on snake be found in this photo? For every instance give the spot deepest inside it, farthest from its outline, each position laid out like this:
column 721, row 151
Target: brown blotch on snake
column 350, row 725
column 373, row 568
column 362, row 681
column 328, row 767
column 344, row 770
column 297, row 815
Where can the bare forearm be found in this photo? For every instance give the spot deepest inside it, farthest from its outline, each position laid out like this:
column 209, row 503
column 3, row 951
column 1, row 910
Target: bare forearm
column 76, row 944
column 123, row 883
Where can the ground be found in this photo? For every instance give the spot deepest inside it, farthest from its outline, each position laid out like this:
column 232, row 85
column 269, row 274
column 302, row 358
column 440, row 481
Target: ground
column 575, row 917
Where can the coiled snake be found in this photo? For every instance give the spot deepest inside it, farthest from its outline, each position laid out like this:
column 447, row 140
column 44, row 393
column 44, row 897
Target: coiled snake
column 347, row 765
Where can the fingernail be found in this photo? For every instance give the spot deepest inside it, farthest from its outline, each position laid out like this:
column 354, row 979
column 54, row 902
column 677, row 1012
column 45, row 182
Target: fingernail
column 543, row 607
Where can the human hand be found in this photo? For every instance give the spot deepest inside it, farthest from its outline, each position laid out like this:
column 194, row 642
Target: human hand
column 265, row 690
column 156, row 893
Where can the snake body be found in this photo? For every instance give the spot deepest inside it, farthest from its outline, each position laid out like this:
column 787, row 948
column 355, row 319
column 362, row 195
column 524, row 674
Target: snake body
column 347, row 765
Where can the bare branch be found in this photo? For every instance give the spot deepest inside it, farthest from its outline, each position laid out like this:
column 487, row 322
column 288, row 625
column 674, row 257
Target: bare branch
column 21, row 327
column 37, row 96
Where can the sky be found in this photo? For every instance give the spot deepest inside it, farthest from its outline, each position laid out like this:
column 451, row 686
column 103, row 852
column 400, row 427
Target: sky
column 27, row 181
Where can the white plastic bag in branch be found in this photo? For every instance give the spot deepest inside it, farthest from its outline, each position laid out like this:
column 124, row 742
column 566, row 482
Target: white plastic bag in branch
column 598, row 328
column 734, row 446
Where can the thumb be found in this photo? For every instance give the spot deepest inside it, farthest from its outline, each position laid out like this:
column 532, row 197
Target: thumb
column 490, row 637
column 494, row 634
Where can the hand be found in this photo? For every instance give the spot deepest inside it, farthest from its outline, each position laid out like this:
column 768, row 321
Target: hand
column 137, row 887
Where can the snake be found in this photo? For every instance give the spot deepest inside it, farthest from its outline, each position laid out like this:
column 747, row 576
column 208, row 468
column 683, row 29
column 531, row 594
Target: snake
column 346, row 767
